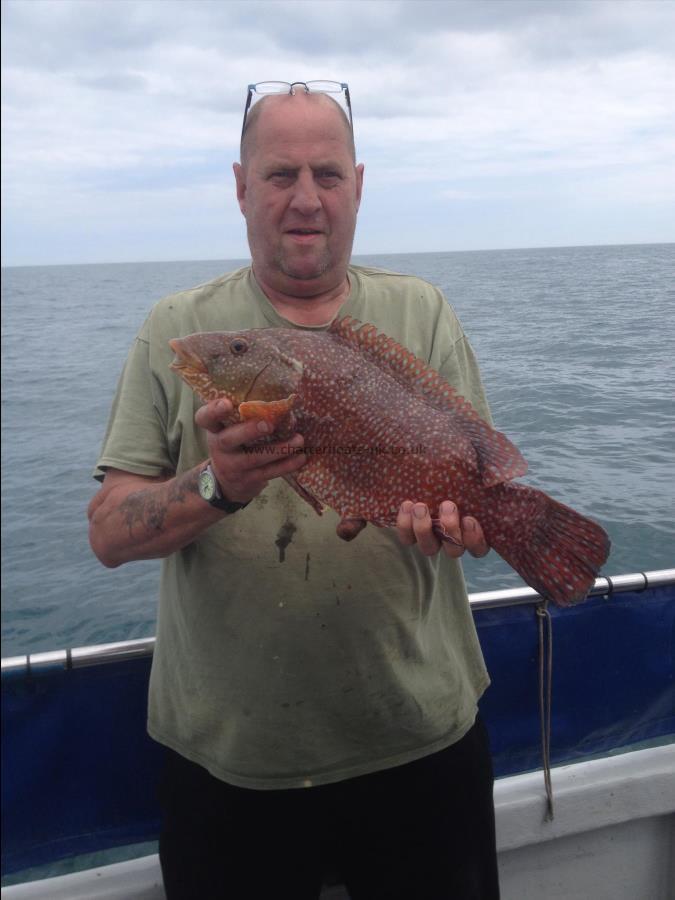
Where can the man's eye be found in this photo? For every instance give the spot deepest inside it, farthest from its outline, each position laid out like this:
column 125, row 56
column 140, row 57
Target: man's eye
column 281, row 175
column 328, row 176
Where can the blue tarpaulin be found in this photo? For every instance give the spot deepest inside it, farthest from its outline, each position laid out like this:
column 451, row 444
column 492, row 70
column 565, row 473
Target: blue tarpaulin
column 79, row 773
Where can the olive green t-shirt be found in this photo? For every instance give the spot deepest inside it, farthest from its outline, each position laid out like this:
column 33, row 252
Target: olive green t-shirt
column 286, row 657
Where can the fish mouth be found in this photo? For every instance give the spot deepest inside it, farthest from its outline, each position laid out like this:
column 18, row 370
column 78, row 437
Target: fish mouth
column 185, row 359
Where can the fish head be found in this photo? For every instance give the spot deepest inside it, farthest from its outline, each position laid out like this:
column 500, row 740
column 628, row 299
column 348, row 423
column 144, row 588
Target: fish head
column 239, row 365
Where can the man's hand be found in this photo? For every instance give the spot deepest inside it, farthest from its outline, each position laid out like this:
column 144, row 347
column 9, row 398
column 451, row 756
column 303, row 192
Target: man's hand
column 415, row 526
column 243, row 470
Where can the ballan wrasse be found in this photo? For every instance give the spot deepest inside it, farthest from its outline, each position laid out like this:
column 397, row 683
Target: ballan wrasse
column 380, row 427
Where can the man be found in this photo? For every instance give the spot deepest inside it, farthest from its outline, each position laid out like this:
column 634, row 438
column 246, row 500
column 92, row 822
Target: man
column 318, row 697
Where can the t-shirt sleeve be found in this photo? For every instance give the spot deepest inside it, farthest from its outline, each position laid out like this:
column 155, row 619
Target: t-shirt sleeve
column 460, row 367
column 457, row 360
column 136, row 436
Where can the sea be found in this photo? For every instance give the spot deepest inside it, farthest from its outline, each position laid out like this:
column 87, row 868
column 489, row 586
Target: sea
column 577, row 351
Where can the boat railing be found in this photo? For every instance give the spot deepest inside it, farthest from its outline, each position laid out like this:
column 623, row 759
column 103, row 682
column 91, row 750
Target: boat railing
column 100, row 654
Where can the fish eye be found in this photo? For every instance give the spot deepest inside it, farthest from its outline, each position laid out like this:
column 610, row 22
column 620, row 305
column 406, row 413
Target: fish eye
column 238, row 346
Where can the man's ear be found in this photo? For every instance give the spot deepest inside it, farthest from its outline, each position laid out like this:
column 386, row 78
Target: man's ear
column 240, row 178
column 359, row 184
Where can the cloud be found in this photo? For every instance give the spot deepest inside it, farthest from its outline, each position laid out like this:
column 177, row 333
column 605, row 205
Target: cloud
column 473, row 100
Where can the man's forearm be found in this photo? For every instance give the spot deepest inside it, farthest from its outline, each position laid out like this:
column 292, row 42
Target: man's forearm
column 147, row 519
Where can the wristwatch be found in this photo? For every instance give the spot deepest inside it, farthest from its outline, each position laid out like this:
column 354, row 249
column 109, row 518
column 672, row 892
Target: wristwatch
column 209, row 490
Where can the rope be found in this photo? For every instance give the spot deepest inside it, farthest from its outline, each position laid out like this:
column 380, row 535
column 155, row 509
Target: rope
column 545, row 681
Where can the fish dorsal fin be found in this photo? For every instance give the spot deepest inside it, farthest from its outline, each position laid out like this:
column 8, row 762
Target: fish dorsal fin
column 498, row 459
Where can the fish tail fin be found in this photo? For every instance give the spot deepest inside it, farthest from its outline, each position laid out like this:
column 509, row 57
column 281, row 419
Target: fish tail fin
column 555, row 549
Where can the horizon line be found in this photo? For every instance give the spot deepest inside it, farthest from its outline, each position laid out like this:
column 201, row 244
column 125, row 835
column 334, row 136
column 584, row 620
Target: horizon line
column 240, row 259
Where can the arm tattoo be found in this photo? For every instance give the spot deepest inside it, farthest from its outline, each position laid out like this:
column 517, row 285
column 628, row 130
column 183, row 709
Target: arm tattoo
column 149, row 507
column 181, row 487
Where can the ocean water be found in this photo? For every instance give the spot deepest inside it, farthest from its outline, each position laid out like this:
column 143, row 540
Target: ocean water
column 576, row 347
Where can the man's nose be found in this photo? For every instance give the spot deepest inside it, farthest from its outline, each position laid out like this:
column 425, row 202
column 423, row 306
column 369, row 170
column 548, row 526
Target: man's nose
column 306, row 196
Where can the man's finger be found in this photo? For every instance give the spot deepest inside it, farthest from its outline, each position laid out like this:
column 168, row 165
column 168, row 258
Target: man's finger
column 473, row 537
column 284, row 465
column 423, row 529
column 242, row 434
column 214, row 416
column 260, row 456
column 404, row 526
column 448, row 515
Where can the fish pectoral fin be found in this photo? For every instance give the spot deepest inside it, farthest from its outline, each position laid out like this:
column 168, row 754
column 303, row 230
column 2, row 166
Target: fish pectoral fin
column 274, row 412
column 304, row 493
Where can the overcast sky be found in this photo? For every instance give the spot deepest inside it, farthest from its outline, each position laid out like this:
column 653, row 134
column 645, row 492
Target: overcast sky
column 481, row 124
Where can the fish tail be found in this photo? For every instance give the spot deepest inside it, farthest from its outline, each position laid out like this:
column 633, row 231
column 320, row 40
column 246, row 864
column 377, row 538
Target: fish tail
column 556, row 550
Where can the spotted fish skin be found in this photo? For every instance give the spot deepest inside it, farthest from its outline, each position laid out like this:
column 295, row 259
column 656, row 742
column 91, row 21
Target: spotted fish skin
column 381, row 427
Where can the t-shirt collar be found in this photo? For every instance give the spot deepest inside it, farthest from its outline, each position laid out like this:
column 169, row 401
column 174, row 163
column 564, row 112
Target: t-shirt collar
column 278, row 321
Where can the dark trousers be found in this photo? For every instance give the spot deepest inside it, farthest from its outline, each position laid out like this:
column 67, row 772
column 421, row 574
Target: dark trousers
column 421, row 831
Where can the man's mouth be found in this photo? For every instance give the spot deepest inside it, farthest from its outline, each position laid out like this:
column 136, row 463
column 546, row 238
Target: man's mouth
column 303, row 231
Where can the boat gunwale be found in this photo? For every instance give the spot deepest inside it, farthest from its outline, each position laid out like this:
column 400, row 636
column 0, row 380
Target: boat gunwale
column 101, row 654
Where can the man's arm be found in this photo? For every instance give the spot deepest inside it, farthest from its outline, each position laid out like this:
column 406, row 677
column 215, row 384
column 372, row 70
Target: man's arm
column 137, row 517
column 134, row 517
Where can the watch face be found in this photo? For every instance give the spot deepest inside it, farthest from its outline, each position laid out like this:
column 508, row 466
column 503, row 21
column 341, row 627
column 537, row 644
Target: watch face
column 207, row 486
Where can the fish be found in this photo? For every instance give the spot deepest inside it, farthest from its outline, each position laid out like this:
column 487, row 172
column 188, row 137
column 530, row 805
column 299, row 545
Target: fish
column 380, row 426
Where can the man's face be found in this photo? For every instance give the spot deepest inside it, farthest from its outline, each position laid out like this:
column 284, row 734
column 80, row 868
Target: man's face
column 299, row 191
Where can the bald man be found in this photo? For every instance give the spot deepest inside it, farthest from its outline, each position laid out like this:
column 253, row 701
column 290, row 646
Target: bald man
column 318, row 698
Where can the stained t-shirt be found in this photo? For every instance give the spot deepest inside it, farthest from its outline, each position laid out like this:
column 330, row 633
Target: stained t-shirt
column 286, row 657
